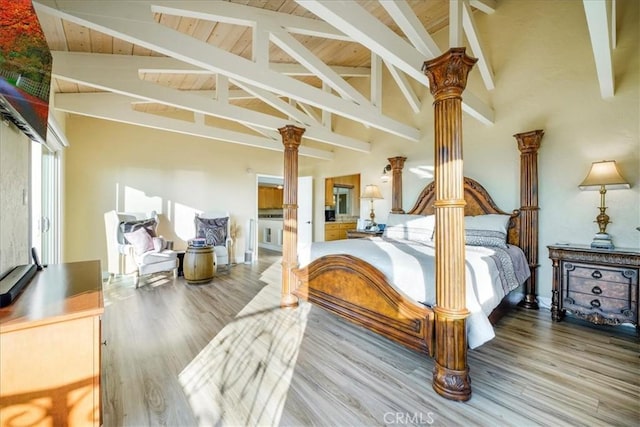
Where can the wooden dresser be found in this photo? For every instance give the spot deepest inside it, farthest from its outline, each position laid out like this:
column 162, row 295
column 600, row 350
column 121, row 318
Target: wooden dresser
column 50, row 349
column 598, row 285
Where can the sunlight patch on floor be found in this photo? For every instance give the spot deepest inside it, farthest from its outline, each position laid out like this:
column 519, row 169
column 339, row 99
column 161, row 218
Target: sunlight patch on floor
column 242, row 376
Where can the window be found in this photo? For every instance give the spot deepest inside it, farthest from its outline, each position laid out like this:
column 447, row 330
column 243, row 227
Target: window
column 343, row 196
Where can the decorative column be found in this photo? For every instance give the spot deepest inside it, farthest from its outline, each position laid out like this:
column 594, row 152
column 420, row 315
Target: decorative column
column 528, row 144
column 291, row 138
column 447, row 79
column 397, row 163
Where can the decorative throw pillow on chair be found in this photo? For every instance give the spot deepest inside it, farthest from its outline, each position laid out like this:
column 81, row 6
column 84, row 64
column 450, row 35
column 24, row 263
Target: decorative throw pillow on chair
column 214, row 230
column 140, row 240
column 149, row 225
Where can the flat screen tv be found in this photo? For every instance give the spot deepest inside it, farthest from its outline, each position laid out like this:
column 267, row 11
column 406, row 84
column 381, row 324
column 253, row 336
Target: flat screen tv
column 25, row 69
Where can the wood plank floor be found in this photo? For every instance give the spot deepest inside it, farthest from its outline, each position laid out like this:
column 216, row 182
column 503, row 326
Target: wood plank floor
column 534, row 372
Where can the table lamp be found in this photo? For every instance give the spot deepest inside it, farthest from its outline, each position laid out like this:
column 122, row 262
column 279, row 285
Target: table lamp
column 371, row 192
column 603, row 175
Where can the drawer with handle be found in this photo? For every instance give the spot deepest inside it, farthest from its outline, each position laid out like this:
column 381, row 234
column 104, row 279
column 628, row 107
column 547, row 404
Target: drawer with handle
column 609, row 274
column 598, row 288
column 612, row 306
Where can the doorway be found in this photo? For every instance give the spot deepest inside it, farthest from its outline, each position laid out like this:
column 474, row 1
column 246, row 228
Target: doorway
column 269, row 213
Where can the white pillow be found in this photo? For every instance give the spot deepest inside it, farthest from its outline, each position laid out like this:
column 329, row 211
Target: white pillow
column 486, row 230
column 141, row 241
column 418, row 228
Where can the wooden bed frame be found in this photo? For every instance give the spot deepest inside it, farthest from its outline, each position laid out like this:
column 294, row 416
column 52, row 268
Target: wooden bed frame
column 357, row 291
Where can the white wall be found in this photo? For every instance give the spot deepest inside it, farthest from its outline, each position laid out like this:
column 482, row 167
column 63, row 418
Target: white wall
column 130, row 168
column 14, row 202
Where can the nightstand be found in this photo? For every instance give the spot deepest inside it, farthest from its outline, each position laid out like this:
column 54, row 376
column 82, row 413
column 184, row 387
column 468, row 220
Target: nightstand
column 597, row 285
column 359, row 234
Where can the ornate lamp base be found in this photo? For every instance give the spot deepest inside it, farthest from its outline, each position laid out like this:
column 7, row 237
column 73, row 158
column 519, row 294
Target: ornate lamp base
column 602, row 241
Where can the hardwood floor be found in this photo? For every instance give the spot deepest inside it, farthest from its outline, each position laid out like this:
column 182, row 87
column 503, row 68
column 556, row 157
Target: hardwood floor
column 166, row 336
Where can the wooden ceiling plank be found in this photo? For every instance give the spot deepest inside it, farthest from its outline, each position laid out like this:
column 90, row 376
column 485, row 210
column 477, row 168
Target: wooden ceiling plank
column 100, row 42
column 246, row 16
column 598, row 23
column 473, row 36
column 134, row 23
column 109, row 106
column 53, row 31
column 78, row 37
column 403, row 15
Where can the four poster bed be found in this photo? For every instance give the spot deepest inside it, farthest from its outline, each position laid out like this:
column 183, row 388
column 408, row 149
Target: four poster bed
column 358, row 291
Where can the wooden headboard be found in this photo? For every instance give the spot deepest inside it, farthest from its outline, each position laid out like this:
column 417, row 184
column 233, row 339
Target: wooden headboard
column 479, row 202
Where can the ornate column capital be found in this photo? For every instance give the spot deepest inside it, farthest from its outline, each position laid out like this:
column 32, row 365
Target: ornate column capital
column 291, row 136
column 448, row 73
column 529, row 142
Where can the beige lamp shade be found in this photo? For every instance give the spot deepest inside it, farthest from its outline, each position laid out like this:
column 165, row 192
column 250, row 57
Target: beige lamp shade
column 371, row 192
column 603, row 173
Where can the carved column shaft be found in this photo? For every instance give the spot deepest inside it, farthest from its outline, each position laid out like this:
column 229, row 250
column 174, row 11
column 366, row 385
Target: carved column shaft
column 397, row 163
column 447, row 78
column 528, row 144
column 291, row 138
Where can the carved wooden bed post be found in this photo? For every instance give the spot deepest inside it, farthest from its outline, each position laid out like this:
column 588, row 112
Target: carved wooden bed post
column 397, row 163
column 528, row 144
column 291, row 138
column 447, row 79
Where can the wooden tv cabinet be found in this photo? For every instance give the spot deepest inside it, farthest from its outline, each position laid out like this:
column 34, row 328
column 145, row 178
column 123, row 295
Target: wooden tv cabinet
column 50, row 349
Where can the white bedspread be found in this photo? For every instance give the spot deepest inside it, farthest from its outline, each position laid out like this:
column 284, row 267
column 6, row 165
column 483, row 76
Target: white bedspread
column 410, row 266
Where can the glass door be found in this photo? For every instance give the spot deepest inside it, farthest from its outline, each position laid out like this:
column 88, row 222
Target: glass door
column 45, row 203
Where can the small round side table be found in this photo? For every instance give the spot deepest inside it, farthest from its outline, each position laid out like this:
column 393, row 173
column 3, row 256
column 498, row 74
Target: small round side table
column 199, row 265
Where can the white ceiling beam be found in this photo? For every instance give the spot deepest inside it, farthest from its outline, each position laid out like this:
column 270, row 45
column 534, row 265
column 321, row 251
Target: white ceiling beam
column 260, row 46
column 114, row 107
column 376, row 81
column 167, row 65
column 222, row 88
column 598, row 23
column 469, row 25
column 95, row 70
column 314, row 130
column 132, row 21
column 455, row 23
column 364, row 28
column 326, row 115
column 309, row 112
column 304, row 56
column 406, row 19
column 405, row 88
column 486, row 6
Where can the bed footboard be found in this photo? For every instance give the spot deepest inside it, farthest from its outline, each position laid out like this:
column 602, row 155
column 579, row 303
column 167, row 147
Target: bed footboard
column 355, row 290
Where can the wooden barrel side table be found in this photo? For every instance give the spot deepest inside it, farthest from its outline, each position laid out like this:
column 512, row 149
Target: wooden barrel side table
column 199, row 265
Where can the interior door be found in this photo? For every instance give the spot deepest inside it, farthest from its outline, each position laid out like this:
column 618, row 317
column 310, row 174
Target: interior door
column 305, row 210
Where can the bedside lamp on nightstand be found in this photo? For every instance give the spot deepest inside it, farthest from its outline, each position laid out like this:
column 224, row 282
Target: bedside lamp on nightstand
column 371, row 192
column 603, row 175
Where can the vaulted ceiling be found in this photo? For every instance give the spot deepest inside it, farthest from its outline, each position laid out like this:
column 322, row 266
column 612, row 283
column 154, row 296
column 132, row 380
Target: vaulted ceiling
column 238, row 70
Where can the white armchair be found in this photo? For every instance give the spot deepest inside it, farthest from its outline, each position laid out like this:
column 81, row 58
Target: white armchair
column 222, row 248
column 122, row 257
